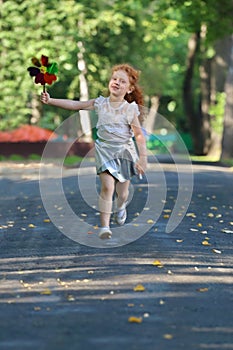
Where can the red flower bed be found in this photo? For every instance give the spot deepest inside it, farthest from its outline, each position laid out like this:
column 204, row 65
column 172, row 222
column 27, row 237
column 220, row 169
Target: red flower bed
column 27, row 133
column 30, row 139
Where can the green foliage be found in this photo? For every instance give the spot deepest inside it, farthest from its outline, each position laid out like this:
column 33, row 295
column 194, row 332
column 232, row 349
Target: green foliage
column 151, row 35
column 158, row 145
column 195, row 13
column 50, row 120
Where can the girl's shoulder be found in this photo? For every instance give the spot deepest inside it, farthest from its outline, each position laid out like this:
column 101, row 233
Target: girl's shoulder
column 133, row 107
column 99, row 101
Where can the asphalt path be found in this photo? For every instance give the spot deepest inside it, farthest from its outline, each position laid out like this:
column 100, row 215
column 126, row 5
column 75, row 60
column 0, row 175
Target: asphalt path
column 167, row 289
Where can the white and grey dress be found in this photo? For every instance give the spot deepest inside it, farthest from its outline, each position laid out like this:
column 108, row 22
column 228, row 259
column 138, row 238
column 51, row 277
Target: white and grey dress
column 115, row 149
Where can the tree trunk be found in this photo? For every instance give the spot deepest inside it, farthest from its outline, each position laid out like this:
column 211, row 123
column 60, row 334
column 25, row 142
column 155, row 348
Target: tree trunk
column 35, row 109
column 227, row 141
column 194, row 122
column 84, row 115
column 205, row 72
column 149, row 123
column 198, row 119
column 221, row 62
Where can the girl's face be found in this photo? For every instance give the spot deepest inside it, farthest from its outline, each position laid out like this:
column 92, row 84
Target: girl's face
column 119, row 84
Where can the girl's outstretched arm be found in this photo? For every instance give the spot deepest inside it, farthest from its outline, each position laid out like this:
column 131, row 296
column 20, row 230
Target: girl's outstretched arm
column 66, row 104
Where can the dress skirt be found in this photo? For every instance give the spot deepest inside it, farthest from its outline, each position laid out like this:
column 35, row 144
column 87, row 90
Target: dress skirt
column 117, row 158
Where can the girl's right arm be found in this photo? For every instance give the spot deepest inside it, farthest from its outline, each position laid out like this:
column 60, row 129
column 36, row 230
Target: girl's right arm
column 66, row 104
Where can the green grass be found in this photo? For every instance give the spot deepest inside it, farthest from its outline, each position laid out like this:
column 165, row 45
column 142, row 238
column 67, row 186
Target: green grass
column 68, row 161
column 228, row 162
column 13, row 157
column 72, row 160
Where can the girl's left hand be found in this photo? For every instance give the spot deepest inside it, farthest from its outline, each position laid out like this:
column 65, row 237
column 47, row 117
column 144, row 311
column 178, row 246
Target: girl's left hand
column 141, row 165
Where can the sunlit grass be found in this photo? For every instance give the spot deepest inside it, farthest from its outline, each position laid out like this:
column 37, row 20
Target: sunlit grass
column 212, row 158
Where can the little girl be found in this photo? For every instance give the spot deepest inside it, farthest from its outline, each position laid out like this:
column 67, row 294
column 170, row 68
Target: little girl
column 117, row 157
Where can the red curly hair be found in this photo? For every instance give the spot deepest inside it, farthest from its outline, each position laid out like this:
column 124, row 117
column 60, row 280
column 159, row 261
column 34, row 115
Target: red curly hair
column 136, row 94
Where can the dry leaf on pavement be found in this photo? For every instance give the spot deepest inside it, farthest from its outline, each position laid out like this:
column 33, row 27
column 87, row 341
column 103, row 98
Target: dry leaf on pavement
column 139, row 288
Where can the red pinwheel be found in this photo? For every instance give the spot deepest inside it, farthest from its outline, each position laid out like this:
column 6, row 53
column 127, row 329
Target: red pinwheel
column 43, row 71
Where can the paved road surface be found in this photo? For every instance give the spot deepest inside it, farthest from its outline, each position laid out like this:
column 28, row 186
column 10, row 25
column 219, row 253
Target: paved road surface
column 58, row 294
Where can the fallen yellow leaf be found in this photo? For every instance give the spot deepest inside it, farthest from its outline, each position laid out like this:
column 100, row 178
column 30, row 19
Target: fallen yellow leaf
column 47, row 220
column 202, row 290
column 46, row 291
column 166, row 216
column 37, row 308
column 134, row 319
column 139, row 288
column 205, row 243
column 157, row 263
column 150, row 221
column 31, row 226
column 167, row 336
column 192, row 215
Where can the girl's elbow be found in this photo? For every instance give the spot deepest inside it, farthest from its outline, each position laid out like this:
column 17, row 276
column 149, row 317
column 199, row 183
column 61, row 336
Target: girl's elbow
column 139, row 136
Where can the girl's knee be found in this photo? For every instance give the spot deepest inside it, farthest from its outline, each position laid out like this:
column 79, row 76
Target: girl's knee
column 107, row 184
column 122, row 190
column 107, row 189
column 123, row 196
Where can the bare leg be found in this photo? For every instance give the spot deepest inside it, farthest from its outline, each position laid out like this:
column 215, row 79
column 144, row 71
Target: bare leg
column 122, row 190
column 105, row 199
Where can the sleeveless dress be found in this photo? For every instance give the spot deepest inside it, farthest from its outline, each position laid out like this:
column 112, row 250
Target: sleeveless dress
column 115, row 150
